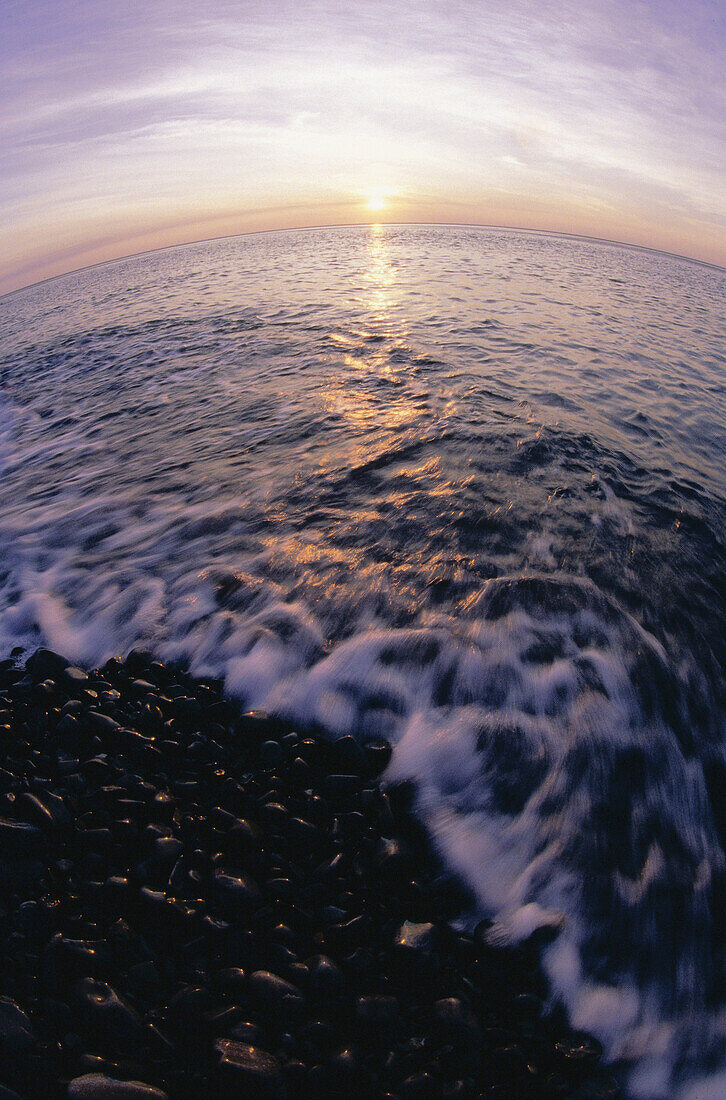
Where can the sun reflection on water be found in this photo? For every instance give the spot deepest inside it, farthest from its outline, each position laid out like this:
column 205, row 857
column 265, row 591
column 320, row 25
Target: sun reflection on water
column 372, row 385
column 380, row 277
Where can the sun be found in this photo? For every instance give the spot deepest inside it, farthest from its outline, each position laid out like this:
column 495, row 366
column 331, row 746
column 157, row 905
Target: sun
column 376, row 201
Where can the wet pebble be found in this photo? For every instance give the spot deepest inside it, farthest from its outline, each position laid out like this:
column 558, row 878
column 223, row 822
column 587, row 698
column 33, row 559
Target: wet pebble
column 96, row 1086
column 249, row 1070
column 222, row 906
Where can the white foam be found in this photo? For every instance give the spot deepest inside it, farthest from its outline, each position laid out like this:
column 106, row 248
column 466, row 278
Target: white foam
column 492, row 713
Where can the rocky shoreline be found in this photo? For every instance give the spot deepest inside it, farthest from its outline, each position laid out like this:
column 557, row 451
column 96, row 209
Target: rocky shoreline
column 199, row 903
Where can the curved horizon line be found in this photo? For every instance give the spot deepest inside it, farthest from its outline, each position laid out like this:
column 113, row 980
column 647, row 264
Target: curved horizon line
column 367, row 225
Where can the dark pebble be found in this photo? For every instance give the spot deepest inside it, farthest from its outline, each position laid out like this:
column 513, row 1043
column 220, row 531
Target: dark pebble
column 19, row 840
column 109, row 1014
column 237, row 894
column 347, row 757
column 209, row 902
column 252, row 1071
column 280, row 999
column 377, row 1012
column 271, row 754
column 16, row 1030
column 44, row 664
column 96, row 1086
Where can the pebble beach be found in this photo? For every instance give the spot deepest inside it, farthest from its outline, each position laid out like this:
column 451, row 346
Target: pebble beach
column 198, row 902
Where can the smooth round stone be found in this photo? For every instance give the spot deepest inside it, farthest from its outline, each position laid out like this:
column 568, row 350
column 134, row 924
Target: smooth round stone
column 456, row 1020
column 392, row 858
column 377, row 1011
column 232, row 979
column 187, row 1006
column 167, row 849
column 244, row 1031
column 325, row 978
column 9, row 1094
column 276, row 995
column 144, row 687
column 103, row 724
column 417, row 939
column 44, row 664
column 302, row 832
column 274, row 815
column 83, row 958
column 186, row 709
column 47, row 810
column 242, row 837
column 271, row 754
column 105, row 1009
column 419, row 1086
column 347, row 756
column 341, row 786
column 236, row 891
column 96, row 1086
column 249, row 1068
column 16, row 1030
column 19, row 840
column 74, row 677
column 162, row 807
column 527, row 1007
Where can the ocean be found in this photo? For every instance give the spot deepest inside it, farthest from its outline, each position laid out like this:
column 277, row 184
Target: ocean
column 463, row 488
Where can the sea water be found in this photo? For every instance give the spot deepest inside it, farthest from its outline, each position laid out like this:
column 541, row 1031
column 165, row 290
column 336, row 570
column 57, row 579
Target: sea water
column 463, row 488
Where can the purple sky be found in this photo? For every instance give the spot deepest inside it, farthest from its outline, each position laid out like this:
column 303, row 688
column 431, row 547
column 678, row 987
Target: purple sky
column 125, row 126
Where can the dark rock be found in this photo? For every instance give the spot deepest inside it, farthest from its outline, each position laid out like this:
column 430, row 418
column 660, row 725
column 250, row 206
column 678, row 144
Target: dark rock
column 232, row 980
column 251, row 1072
column 527, row 1008
column 280, row 999
column 19, row 840
column 96, row 1086
column 48, row 811
column 271, row 755
column 244, row 1031
column 9, row 1094
column 392, row 859
column 347, row 757
column 302, row 832
column 188, row 1005
column 326, row 979
column 377, row 1013
column 22, row 874
column 67, row 958
column 74, row 678
column 103, row 724
column 139, row 661
column 507, row 1063
column 16, row 1030
column 341, row 788
column 454, row 1023
column 44, row 664
column 108, row 1014
column 351, row 934
column 419, row 940
column 144, row 979
column 274, row 816
column 236, row 893
column 186, row 709
column 419, row 1086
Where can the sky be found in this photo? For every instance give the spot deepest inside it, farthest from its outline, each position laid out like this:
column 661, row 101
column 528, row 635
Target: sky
column 136, row 125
